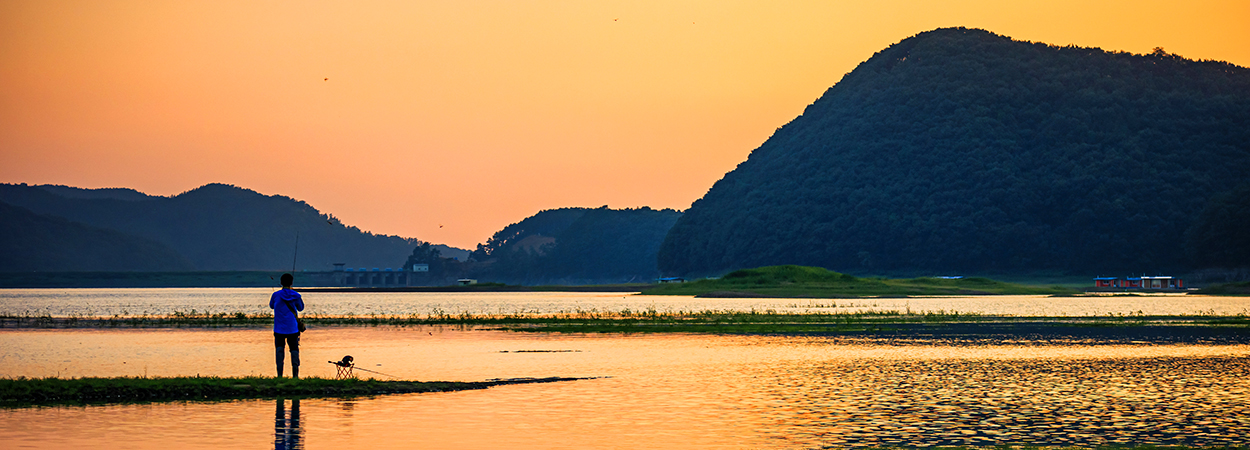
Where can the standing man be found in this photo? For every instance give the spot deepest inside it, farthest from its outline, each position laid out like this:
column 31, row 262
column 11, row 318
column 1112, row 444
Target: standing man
column 286, row 330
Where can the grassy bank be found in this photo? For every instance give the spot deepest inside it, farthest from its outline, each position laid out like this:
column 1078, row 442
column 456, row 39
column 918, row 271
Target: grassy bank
column 1231, row 289
column 58, row 391
column 816, row 282
column 917, row 324
column 931, row 323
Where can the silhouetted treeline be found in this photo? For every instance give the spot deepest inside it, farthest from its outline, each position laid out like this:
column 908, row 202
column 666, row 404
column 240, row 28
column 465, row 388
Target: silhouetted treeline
column 959, row 150
column 213, row 227
column 34, row 242
column 1220, row 237
column 575, row 246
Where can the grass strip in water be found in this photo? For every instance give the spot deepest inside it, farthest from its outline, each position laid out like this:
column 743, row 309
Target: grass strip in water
column 815, row 282
column 707, row 321
column 1228, row 289
column 20, row 392
column 1178, row 328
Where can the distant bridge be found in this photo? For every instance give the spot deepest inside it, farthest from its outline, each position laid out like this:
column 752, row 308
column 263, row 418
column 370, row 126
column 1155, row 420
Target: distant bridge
column 375, row 277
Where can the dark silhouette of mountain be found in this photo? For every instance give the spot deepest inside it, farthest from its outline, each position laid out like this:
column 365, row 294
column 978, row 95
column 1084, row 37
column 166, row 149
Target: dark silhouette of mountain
column 539, row 229
column 959, row 150
column 105, row 193
column 220, row 227
column 576, row 246
column 32, row 242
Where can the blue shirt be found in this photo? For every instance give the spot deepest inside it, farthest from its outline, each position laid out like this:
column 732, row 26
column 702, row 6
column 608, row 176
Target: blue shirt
column 283, row 318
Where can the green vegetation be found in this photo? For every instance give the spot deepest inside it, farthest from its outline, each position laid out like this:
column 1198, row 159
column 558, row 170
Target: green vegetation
column 1234, row 289
column 707, row 321
column 30, row 241
column 576, row 246
column 51, row 391
column 961, row 151
column 816, row 282
column 215, row 227
column 1220, row 237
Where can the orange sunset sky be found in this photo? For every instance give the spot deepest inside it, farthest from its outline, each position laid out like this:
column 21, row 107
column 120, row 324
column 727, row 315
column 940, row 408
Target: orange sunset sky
column 474, row 114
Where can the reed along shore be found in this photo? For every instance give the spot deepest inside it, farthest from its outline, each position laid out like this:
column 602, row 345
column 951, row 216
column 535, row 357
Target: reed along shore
column 20, row 392
column 917, row 324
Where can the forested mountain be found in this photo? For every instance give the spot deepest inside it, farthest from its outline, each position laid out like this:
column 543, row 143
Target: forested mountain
column 576, row 246
column 959, row 150
column 1220, row 237
column 33, row 242
column 217, row 227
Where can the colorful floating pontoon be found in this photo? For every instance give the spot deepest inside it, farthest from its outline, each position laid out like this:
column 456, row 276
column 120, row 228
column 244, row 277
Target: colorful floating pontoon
column 1143, row 282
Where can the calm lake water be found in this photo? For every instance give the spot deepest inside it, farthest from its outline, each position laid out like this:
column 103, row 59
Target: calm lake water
column 656, row 391
column 134, row 302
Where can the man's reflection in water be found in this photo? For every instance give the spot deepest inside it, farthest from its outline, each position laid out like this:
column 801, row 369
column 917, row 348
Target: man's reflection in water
column 286, row 434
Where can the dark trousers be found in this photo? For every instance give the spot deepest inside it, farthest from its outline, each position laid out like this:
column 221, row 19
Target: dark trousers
column 279, row 342
column 288, row 339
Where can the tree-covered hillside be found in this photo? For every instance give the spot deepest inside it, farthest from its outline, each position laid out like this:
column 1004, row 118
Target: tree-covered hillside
column 576, row 246
column 33, row 242
column 220, row 227
column 959, row 150
column 1220, row 237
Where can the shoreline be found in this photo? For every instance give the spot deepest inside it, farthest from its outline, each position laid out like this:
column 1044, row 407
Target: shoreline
column 28, row 392
column 797, row 291
column 924, row 325
column 618, row 288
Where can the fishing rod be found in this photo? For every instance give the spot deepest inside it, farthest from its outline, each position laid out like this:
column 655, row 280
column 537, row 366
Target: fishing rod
column 371, row 371
column 346, row 365
column 296, row 255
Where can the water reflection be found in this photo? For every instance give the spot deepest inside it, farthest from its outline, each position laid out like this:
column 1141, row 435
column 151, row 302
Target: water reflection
column 286, row 429
column 661, row 391
column 958, row 402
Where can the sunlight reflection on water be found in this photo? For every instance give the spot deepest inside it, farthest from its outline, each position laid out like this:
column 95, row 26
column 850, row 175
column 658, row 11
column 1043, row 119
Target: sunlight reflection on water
column 134, row 302
column 669, row 390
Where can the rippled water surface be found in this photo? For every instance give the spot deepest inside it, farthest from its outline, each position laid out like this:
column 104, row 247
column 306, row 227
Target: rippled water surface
column 655, row 391
column 672, row 391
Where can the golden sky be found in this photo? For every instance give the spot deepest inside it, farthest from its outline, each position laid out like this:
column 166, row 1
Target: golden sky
column 403, row 116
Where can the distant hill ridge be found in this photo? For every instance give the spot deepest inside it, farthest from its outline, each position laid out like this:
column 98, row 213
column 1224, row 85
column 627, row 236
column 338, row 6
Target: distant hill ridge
column 102, row 193
column 959, row 150
column 215, row 227
column 45, row 243
column 576, row 246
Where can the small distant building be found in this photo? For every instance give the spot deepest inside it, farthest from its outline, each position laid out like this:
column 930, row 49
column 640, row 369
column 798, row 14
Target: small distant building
column 1144, row 282
column 1162, row 283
